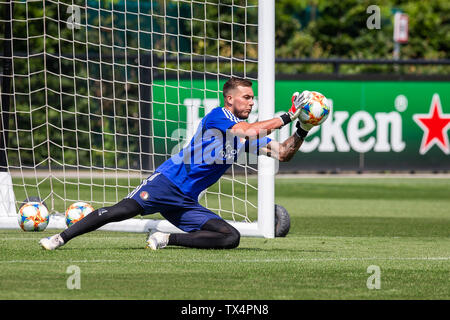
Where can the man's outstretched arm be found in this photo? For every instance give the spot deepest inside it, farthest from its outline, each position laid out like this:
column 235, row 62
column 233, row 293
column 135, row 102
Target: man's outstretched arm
column 261, row 129
column 286, row 150
column 257, row 129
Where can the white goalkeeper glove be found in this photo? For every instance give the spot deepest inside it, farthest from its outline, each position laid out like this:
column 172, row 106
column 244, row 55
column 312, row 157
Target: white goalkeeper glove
column 305, row 126
column 302, row 129
column 298, row 101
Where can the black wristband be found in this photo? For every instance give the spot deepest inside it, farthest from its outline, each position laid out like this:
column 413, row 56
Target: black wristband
column 300, row 132
column 286, row 118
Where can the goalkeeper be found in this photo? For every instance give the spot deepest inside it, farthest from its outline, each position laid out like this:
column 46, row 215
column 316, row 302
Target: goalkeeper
column 174, row 187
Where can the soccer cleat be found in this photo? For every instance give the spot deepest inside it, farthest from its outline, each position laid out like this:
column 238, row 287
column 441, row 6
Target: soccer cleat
column 52, row 243
column 157, row 240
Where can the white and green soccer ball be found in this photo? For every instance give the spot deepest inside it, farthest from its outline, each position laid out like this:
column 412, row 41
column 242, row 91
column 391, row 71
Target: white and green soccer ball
column 33, row 216
column 77, row 211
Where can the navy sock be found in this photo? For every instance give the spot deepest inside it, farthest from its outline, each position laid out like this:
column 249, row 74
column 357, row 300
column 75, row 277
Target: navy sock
column 125, row 209
column 215, row 234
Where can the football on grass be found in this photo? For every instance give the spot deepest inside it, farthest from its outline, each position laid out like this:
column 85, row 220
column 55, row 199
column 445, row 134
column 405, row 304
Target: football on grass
column 33, row 216
column 77, row 211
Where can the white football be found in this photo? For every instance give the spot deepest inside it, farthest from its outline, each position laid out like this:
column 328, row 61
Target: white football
column 33, row 216
column 77, row 211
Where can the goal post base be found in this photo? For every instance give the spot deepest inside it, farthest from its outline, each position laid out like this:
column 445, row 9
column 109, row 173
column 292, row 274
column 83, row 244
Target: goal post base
column 145, row 225
column 7, row 198
column 135, row 225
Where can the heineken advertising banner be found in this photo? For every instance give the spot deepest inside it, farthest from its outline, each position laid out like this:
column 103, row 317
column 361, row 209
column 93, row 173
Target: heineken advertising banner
column 374, row 125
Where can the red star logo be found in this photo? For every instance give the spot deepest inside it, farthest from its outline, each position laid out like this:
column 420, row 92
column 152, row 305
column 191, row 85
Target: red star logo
column 434, row 125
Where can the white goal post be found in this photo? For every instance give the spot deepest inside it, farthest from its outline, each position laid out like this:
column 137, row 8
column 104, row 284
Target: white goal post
column 95, row 95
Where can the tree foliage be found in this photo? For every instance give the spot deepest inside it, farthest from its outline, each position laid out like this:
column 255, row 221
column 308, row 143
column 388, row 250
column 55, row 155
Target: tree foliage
column 338, row 29
column 86, row 85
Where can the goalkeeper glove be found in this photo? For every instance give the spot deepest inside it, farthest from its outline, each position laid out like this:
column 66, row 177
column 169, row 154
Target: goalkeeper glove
column 301, row 131
column 304, row 126
column 298, row 101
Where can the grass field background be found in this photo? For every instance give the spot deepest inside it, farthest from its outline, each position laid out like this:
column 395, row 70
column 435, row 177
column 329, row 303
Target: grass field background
column 339, row 227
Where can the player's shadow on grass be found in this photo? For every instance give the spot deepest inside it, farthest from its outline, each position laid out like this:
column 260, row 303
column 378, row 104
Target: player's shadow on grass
column 242, row 249
column 277, row 249
column 99, row 248
column 237, row 250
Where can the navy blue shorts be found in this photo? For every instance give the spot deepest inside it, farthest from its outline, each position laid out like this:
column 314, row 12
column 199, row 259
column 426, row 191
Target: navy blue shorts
column 158, row 194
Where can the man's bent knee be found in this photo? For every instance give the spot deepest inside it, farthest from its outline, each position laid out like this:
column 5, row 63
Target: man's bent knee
column 230, row 236
column 233, row 239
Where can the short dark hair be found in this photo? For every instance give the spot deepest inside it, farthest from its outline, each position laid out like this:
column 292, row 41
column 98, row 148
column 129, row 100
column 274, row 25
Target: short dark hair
column 233, row 83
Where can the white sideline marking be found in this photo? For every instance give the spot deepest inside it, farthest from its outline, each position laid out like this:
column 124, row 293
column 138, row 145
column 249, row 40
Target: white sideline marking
column 363, row 175
column 235, row 261
column 59, row 261
column 94, row 238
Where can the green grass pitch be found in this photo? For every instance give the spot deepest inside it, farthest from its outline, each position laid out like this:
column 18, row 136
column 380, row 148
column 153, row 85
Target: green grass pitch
column 339, row 227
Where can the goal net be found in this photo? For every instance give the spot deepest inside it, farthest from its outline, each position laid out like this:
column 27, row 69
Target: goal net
column 97, row 94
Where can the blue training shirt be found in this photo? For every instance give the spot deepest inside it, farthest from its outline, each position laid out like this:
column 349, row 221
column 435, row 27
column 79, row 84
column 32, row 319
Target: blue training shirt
column 211, row 151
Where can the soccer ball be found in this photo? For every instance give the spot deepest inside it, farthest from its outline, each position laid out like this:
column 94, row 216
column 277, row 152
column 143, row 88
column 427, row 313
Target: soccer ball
column 33, row 216
column 77, row 211
column 317, row 110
